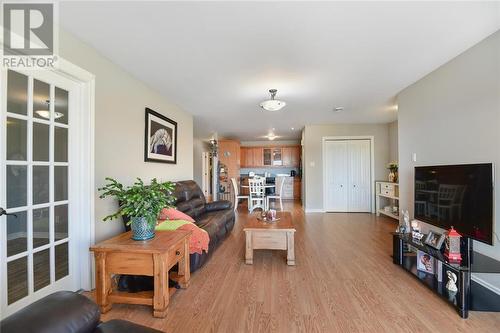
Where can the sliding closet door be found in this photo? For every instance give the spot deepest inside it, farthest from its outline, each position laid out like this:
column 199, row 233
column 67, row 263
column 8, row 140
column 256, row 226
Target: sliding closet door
column 336, row 176
column 359, row 175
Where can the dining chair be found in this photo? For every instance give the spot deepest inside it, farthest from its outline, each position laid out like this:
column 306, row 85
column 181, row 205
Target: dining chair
column 237, row 195
column 257, row 194
column 278, row 194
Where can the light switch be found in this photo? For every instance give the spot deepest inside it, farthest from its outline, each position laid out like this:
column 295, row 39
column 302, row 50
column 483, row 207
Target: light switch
column 414, row 157
column 312, row 164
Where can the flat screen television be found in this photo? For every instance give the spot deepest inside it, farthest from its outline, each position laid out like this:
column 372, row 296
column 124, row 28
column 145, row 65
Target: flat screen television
column 456, row 195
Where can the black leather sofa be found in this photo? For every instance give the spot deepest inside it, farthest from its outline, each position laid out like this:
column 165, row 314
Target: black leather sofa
column 66, row 312
column 216, row 218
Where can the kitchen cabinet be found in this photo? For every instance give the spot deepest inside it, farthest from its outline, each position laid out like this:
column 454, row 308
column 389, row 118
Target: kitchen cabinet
column 247, row 157
column 288, row 156
column 268, row 156
column 257, row 156
column 229, row 155
column 229, row 164
column 272, row 156
column 243, row 157
column 277, row 157
column 291, row 156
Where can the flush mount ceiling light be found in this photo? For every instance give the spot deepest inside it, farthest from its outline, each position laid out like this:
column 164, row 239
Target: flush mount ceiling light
column 46, row 113
column 271, row 136
column 272, row 104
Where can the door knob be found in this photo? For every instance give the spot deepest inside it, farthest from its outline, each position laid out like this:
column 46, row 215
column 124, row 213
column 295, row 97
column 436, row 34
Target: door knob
column 4, row 212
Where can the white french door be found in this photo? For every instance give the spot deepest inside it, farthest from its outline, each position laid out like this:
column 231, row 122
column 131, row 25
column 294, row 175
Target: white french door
column 347, row 175
column 38, row 244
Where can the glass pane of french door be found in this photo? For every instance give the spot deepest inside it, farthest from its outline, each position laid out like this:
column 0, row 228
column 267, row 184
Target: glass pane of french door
column 35, row 185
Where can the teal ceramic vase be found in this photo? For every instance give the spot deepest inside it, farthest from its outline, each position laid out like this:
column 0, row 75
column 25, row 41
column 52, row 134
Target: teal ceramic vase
column 141, row 229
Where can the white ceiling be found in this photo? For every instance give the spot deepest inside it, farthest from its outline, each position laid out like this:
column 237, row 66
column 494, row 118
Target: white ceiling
column 217, row 60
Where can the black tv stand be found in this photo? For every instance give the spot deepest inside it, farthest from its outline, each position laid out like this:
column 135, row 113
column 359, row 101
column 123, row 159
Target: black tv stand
column 470, row 295
column 405, row 254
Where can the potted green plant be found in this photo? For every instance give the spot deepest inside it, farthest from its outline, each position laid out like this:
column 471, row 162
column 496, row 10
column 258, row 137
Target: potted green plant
column 393, row 172
column 142, row 203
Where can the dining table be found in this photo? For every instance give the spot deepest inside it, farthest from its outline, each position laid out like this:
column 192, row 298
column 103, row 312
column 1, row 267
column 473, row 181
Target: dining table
column 267, row 185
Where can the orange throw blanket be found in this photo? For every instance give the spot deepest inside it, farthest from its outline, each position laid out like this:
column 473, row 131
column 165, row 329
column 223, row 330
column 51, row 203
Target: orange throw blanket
column 199, row 238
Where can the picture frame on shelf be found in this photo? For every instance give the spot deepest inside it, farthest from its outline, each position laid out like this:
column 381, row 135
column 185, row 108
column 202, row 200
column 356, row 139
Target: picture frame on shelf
column 435, row 239
column 425, row 262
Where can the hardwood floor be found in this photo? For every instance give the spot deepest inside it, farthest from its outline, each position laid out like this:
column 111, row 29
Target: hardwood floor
column 344, row 281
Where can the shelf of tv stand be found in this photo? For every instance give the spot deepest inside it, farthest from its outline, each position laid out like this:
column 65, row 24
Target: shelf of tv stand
column 430, row 281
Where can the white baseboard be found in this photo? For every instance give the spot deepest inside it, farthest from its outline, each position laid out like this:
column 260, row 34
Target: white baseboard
column 314, row 210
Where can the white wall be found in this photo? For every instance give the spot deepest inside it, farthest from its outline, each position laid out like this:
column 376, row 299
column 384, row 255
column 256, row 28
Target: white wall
column 119, row 128
column 312, row 142
column 452, row 116
column 393, row 141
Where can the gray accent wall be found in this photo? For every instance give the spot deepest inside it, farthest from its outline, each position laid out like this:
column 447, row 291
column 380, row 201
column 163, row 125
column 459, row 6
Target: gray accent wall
column 452, row 116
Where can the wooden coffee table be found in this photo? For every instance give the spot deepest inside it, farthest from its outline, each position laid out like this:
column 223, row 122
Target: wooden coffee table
column 277, row 235
column 154, row 257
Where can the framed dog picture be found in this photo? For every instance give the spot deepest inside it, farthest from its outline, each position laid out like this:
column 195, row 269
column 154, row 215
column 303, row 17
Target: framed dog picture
column 160, row 138
column 434, row 239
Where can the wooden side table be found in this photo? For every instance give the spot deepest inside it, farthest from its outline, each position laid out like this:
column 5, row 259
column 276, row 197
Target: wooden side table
column 154, row 257
column 277, row 235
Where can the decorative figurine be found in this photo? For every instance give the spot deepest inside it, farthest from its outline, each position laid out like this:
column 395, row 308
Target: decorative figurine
column 452, row 243
column 404, row 226
column 415, row 231
column 452, row 280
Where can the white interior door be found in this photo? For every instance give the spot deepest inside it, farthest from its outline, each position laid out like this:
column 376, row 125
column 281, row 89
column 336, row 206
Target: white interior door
column 359, row 175
column 336, row 164
column 37, row 184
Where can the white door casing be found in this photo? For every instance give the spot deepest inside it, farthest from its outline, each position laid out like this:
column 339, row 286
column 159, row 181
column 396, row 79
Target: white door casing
column 347, row 173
